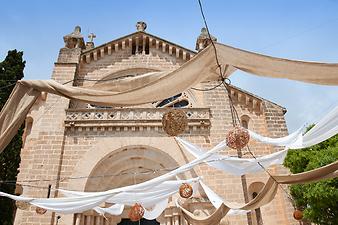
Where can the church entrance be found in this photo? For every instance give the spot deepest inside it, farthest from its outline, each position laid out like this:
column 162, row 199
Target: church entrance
column 129, row 165
column 141, row 222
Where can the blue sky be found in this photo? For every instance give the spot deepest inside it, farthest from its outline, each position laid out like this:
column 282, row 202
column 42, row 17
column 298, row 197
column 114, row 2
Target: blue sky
column 302, row 29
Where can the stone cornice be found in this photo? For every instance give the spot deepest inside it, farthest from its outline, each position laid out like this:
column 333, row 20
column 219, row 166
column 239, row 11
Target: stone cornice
column 132, row 119
column 122, row 43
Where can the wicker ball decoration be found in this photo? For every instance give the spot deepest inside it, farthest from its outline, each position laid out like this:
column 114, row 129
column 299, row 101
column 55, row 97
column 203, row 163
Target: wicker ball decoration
column 174, row 122
column 22, row 205
column 297, row 214
column 136, row 212
column 237, row 138
column 40, row 210
column 18, row 189
column 186, row 190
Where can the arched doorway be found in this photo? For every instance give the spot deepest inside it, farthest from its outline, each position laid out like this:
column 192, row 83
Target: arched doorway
column 125, row 166
column 129, row 165
column 141, row 222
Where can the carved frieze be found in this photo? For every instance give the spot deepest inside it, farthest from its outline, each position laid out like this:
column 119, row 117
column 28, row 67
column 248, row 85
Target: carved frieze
column 132, row 119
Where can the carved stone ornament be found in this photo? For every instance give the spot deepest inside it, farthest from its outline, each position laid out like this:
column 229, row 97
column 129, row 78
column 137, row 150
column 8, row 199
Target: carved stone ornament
column 141, row 26
column 74, row 39
column 136, row 212
column 185, row 190
column 22, row 205
column 40, row 210
column 174, row 122
column 204, row 40
column 297, row 214
column 237, row 138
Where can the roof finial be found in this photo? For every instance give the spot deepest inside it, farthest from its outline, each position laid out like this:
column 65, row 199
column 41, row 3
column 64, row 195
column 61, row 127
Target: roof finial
column 90, row 43
column 141, row 26
column 91, row 37
column 204, row 40
column 74, row 39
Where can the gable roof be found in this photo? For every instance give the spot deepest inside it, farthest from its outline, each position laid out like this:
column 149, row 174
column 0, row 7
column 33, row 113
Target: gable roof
column 139, row 33
column 165, row 46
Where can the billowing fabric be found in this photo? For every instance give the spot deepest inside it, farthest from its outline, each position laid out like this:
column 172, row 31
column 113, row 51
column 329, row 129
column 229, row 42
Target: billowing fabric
column 115, row 210
column 157, row 210
column 267, row 66
column 265, row 196
column 161, row 85
column 234, row 165
column 154, row 192
column 14, row 112
column 292, row 139
column 153, row 197
column 325, row 128
column 148, row 193
column 217, row 201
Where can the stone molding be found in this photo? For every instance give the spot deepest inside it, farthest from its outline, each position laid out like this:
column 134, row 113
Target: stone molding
column 140, row 38
column 132, row 119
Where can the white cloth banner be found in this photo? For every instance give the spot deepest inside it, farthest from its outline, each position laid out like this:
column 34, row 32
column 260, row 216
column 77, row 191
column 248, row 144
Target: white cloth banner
column 152, row 198
column 115, row 210
column 323, row 130
column 292, row 139
column 217, row 201
column 148, row 193
column 234, row 165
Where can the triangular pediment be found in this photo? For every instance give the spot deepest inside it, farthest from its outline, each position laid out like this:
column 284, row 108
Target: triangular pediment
column 140, row 42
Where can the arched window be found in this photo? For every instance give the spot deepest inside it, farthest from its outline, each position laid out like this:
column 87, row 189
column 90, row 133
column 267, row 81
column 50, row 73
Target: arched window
column 178, row 101
column 245, row 121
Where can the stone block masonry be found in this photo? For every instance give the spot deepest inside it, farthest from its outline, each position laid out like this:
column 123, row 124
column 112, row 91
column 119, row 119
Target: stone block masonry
column 56, row 149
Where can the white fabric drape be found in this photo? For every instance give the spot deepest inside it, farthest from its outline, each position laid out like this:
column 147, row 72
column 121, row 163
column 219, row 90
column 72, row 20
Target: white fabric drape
column 292, row 139
column 76, row 202
column 217, row 201
column 325, row 128
column 148, row 193
column 114, row 210
column 234, row 165
column 157, row 210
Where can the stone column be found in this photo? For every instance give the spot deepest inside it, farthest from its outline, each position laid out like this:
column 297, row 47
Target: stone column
column 42, row 155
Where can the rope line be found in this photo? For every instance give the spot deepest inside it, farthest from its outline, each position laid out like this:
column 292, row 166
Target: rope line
column 234, row 113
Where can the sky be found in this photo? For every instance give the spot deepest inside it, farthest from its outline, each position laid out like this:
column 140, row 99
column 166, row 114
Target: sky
column 302, row 30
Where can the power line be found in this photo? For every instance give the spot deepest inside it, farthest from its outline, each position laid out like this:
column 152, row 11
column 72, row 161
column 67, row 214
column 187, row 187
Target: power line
column 234, row 113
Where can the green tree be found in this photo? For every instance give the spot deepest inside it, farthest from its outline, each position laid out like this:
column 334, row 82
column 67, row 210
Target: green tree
column 11, row 70
column 319, row 200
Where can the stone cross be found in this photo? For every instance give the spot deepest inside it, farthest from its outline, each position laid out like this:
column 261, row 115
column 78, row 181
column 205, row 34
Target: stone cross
column 91, row 37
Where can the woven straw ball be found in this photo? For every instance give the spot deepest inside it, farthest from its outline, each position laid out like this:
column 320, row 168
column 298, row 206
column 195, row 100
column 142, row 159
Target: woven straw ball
column 237, row 138
column 18, row 189
column 297, row 214
column 186, row 190
column 40, row 210
column 136, row 212
column 174, row 122
column 22, row 205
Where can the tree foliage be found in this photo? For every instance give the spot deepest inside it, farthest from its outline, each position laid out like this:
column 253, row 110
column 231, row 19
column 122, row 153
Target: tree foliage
column 11, row 70
column 319, row 200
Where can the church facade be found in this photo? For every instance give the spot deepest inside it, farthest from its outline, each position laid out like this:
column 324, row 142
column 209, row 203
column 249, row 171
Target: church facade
column 78, row 146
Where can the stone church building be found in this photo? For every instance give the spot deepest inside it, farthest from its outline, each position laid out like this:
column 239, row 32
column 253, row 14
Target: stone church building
column 83, row 147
